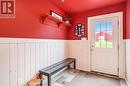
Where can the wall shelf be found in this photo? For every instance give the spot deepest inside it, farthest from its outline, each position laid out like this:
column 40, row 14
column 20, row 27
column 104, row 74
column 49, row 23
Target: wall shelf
column 59, row 22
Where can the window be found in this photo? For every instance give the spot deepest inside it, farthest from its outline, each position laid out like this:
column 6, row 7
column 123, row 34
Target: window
column 103, row 35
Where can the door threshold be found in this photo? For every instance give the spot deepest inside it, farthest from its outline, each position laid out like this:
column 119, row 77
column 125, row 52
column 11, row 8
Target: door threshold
column 104, row 74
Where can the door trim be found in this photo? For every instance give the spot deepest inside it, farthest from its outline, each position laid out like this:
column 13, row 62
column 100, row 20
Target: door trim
column 120, row 39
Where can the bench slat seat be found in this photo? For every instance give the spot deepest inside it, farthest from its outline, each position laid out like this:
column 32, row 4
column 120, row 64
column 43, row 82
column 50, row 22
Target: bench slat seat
column 56, row 67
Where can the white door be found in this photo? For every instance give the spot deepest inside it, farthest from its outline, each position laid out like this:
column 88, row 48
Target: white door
column 104, row 45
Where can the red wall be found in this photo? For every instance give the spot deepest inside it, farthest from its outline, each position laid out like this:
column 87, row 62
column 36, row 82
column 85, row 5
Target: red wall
column 27, row 22
column 82, row 18
column 128, row 20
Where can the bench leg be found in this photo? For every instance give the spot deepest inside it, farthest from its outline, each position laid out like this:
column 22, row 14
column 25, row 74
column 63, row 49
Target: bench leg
column 68, row 66
column 41, row 83
column 74, row 64
column 49, row 80
column 41, row 80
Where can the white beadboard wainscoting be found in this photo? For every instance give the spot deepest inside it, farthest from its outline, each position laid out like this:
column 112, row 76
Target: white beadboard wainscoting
column 21, row 59
column 79, row 49
column 128, row 61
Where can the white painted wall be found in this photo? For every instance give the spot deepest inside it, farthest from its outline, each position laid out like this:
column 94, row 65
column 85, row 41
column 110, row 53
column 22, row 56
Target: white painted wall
column 128, row 60
column 79, row 49
column 20, row 59
column 122, row 59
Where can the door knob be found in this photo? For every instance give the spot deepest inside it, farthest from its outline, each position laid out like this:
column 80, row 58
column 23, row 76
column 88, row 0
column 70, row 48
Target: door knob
column 92, row 46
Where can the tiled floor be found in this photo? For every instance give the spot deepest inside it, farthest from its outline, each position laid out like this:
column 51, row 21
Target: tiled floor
column 88, row 79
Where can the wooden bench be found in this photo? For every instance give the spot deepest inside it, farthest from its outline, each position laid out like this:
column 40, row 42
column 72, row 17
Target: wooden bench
column 53, row 69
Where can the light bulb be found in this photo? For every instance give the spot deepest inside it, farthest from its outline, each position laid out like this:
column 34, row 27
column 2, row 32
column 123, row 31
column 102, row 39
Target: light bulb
column 62, row 0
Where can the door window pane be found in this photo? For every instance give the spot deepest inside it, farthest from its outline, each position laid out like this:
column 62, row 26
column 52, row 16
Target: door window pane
column 97, row 35
column 103, row 35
